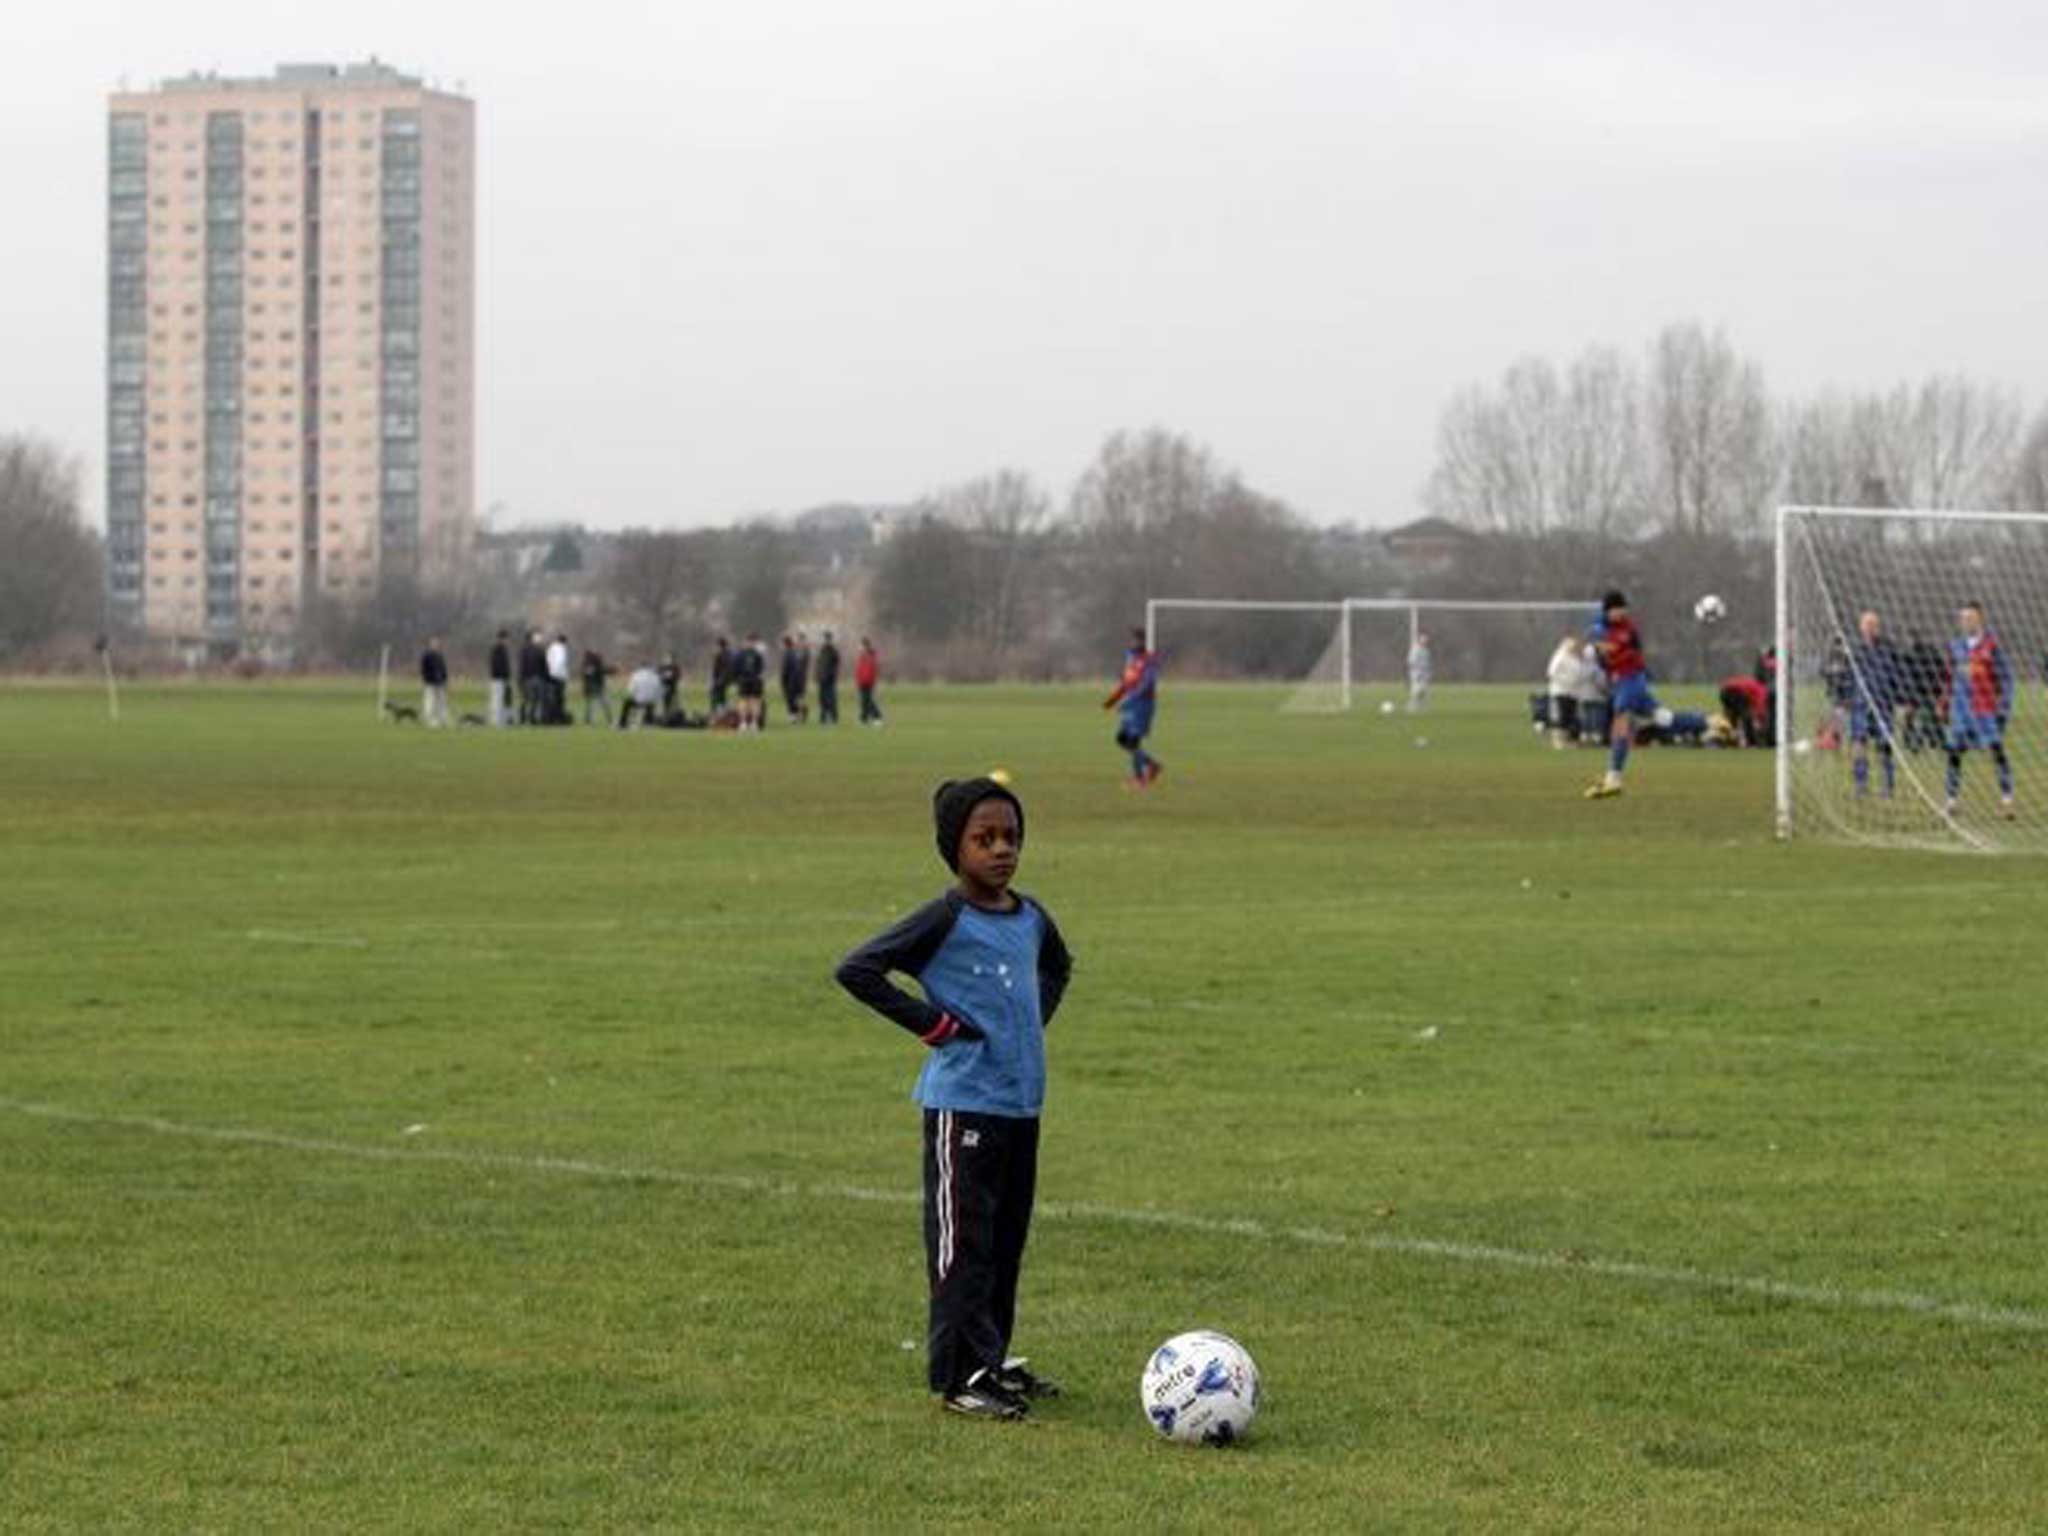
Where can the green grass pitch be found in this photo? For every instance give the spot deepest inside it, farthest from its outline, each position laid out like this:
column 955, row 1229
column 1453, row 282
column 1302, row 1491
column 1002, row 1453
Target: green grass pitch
column 461, row 1132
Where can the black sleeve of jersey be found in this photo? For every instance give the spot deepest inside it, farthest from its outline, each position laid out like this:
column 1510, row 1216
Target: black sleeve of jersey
column 908, row 947
column 1055, row 965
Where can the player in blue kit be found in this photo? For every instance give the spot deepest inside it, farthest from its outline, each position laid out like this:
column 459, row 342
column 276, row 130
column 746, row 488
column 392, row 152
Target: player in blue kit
column 1134, row 697
column 993, row 969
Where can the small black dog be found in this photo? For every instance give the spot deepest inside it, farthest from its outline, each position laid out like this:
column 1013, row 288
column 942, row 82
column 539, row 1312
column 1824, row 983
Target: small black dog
column 400, row 713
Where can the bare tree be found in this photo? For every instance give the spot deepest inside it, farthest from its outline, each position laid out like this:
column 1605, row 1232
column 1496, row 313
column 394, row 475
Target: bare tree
column 1712, row 457
column 1832, row 446
column 1004, row 515
column 1133, row 512
column 754, row 577
column 656, row 577
column 2028, row 491
column 1544, row 452
column 924, row 583
column 49, row 560
column 1948, row 442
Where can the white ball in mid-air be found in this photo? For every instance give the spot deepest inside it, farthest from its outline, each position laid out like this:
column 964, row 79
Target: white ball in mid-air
column 1710, row 609
column 999, row 776
column 1801, row 747
column 1386, row 706
column 1200, row 1388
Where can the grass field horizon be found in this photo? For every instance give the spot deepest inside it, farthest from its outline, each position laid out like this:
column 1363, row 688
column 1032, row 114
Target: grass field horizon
column 438, row 1131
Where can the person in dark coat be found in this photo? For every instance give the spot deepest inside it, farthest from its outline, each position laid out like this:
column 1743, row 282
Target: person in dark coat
column 533, row 680
column 721, row 676
column 828, row 681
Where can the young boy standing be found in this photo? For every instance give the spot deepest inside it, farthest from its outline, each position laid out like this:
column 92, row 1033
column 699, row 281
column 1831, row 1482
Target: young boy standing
column 993, row 969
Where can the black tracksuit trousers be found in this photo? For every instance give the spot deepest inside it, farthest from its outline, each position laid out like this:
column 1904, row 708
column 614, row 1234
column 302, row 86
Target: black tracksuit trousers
column 980, row 1177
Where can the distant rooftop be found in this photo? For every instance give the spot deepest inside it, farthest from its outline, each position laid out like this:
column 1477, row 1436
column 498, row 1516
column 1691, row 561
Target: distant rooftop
column 371, row 74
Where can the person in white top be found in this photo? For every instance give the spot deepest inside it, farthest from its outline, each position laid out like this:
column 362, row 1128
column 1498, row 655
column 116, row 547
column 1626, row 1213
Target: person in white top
column 1567, row 669
column 558, row 681
column 1592, row 696
column 643, row 693
column 1418, row 674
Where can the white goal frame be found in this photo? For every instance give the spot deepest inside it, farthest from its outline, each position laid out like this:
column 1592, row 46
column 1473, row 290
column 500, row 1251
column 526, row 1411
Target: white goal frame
column 1785, row 638
column 1344, row 607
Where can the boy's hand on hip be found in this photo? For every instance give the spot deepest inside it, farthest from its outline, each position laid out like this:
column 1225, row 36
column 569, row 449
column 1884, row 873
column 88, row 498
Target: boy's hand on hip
column 950, row 1027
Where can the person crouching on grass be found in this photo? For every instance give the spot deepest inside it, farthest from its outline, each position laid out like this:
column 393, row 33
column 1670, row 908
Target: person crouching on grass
column 993, row 969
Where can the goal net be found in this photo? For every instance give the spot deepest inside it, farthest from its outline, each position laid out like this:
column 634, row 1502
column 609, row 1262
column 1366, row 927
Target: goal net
column 1395, row 650
column 1911, row 650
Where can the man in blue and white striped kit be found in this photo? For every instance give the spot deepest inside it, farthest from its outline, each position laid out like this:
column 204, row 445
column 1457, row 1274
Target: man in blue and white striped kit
column 993, row 969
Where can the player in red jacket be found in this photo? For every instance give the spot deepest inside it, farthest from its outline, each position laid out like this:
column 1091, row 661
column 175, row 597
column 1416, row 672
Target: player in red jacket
column 867, row 676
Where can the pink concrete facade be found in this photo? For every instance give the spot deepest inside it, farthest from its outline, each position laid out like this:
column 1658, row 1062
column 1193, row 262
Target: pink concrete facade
column 313, row 501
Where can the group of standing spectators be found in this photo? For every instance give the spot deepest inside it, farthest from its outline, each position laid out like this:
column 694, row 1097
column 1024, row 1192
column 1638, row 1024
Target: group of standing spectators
column 530, row 684
column 739, row 680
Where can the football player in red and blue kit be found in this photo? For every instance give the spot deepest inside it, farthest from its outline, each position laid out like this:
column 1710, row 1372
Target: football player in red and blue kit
column 1619, row 645
column 1137, row 692
column 1980, row 698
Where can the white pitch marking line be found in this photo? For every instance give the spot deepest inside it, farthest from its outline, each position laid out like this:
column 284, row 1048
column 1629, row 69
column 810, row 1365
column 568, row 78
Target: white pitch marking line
column 1837, row 1297
column 321, row 940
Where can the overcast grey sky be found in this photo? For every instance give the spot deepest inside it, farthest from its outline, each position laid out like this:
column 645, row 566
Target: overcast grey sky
column 753, row 256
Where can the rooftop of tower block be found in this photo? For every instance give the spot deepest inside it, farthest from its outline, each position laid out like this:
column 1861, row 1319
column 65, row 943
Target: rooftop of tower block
column 371, row 74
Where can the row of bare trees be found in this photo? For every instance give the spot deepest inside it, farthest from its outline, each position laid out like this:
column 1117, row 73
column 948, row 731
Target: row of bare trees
column 1686, row 440
column 998, row 580
column 992, row 577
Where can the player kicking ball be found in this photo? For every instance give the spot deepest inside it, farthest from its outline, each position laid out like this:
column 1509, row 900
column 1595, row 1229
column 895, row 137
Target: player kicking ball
column 1619, row 646
column 1980, row 695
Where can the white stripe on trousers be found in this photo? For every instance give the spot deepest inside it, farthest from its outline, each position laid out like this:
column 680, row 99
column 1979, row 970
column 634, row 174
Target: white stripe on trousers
column 944, row 1194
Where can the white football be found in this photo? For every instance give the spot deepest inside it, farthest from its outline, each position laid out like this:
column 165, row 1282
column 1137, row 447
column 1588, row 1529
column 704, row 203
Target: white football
column 1200, row 1388
column 1386, row 706
column 1710, row 609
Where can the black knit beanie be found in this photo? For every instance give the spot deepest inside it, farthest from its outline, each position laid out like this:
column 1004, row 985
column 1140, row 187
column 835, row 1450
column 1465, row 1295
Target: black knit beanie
column 954, row 801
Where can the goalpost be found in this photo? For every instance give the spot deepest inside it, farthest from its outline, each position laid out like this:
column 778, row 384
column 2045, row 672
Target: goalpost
column 1868, row 731
column 1332, row 683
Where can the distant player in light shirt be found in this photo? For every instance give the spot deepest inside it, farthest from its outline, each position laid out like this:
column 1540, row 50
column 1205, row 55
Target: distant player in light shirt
column 1980, row 694
column 1876, row 684
column 1419, row 668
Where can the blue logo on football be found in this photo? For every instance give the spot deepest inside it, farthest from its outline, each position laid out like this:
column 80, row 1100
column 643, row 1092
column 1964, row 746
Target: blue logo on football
column 1165, row 1357
column 1215, row 1377
column 1164, row 1418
